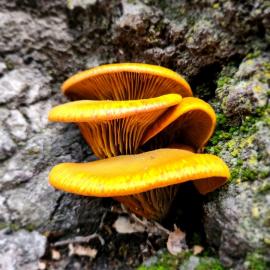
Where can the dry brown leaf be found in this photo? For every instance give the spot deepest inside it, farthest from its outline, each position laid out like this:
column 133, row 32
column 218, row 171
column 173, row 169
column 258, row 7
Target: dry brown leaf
column 197, row 249
column 123, row 225
column 176, row 241
column 82, row 251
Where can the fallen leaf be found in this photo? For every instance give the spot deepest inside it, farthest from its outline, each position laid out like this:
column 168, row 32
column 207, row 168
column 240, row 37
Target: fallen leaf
column 176, row 241
column 197, row 249
column 82, row 251
column 123, row 225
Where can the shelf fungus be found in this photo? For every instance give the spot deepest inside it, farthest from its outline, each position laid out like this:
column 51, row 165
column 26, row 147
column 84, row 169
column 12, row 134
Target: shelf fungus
column 149, row 132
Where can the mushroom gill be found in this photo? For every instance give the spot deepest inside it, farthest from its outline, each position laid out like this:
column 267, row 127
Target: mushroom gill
column 191, row 122
column 124, row 109
column 125, row 81
column 113, row 128
column 146, row 182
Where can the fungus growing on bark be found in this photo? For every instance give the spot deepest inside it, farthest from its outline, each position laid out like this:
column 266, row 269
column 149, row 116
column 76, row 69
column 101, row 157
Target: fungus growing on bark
column 125, row 81
column 141, row 108
column 191, row 122
column 146, row 183
column 113, row 128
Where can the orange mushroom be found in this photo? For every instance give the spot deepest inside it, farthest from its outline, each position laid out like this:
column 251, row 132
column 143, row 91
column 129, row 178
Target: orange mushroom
column 191, row 122
column 141, row 108
column 125, row 81
column 114, row 128
column 146, row 183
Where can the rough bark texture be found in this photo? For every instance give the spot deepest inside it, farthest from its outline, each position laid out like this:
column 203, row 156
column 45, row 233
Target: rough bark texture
column 221, row 47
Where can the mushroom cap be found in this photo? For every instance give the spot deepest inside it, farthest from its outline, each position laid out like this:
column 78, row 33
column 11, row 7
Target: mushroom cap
column 113, row 128
column 133, row 174
column 191, row 122
column 105, row 110
column 125, row 81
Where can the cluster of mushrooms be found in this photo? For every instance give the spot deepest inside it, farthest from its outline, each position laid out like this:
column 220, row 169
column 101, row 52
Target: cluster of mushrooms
column 148, row 131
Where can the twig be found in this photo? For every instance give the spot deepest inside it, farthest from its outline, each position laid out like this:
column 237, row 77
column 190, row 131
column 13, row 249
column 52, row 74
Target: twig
column 79, row 239
column 101, row 224
column 162, row 228
column 150, row 225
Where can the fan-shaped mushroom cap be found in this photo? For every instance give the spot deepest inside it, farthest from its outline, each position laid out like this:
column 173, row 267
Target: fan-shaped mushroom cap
column 133, row 174
column 145, row 183
column 192, row 122
column 125, row 81
column 115, row 127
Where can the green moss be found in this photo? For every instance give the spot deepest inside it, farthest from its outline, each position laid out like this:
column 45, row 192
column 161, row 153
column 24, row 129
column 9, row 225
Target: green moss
column 266, row 221
column 241, row 171
column 264, row 173
column 222, row 129
column 266, row 66
column 234, row 174
column 3, row 226
column 234, row 138
column 248, row 174
column 264, row 188
column 248, row 125
column 167, row 261
column 9, row 64
column 216, row 6
column 266, row 240
column 206, row 264
column 255, row 261
column 254, row 54
column 69, row 4
column 222, row 119
column 16, row 226
column 226, row 75
column 225, row 131
column 11, row 226
column 223, row 80
column 220, row 135
column 243, row 174
column 30, row 227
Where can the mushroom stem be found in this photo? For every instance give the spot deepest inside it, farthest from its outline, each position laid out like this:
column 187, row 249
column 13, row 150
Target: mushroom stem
column 153, row 204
